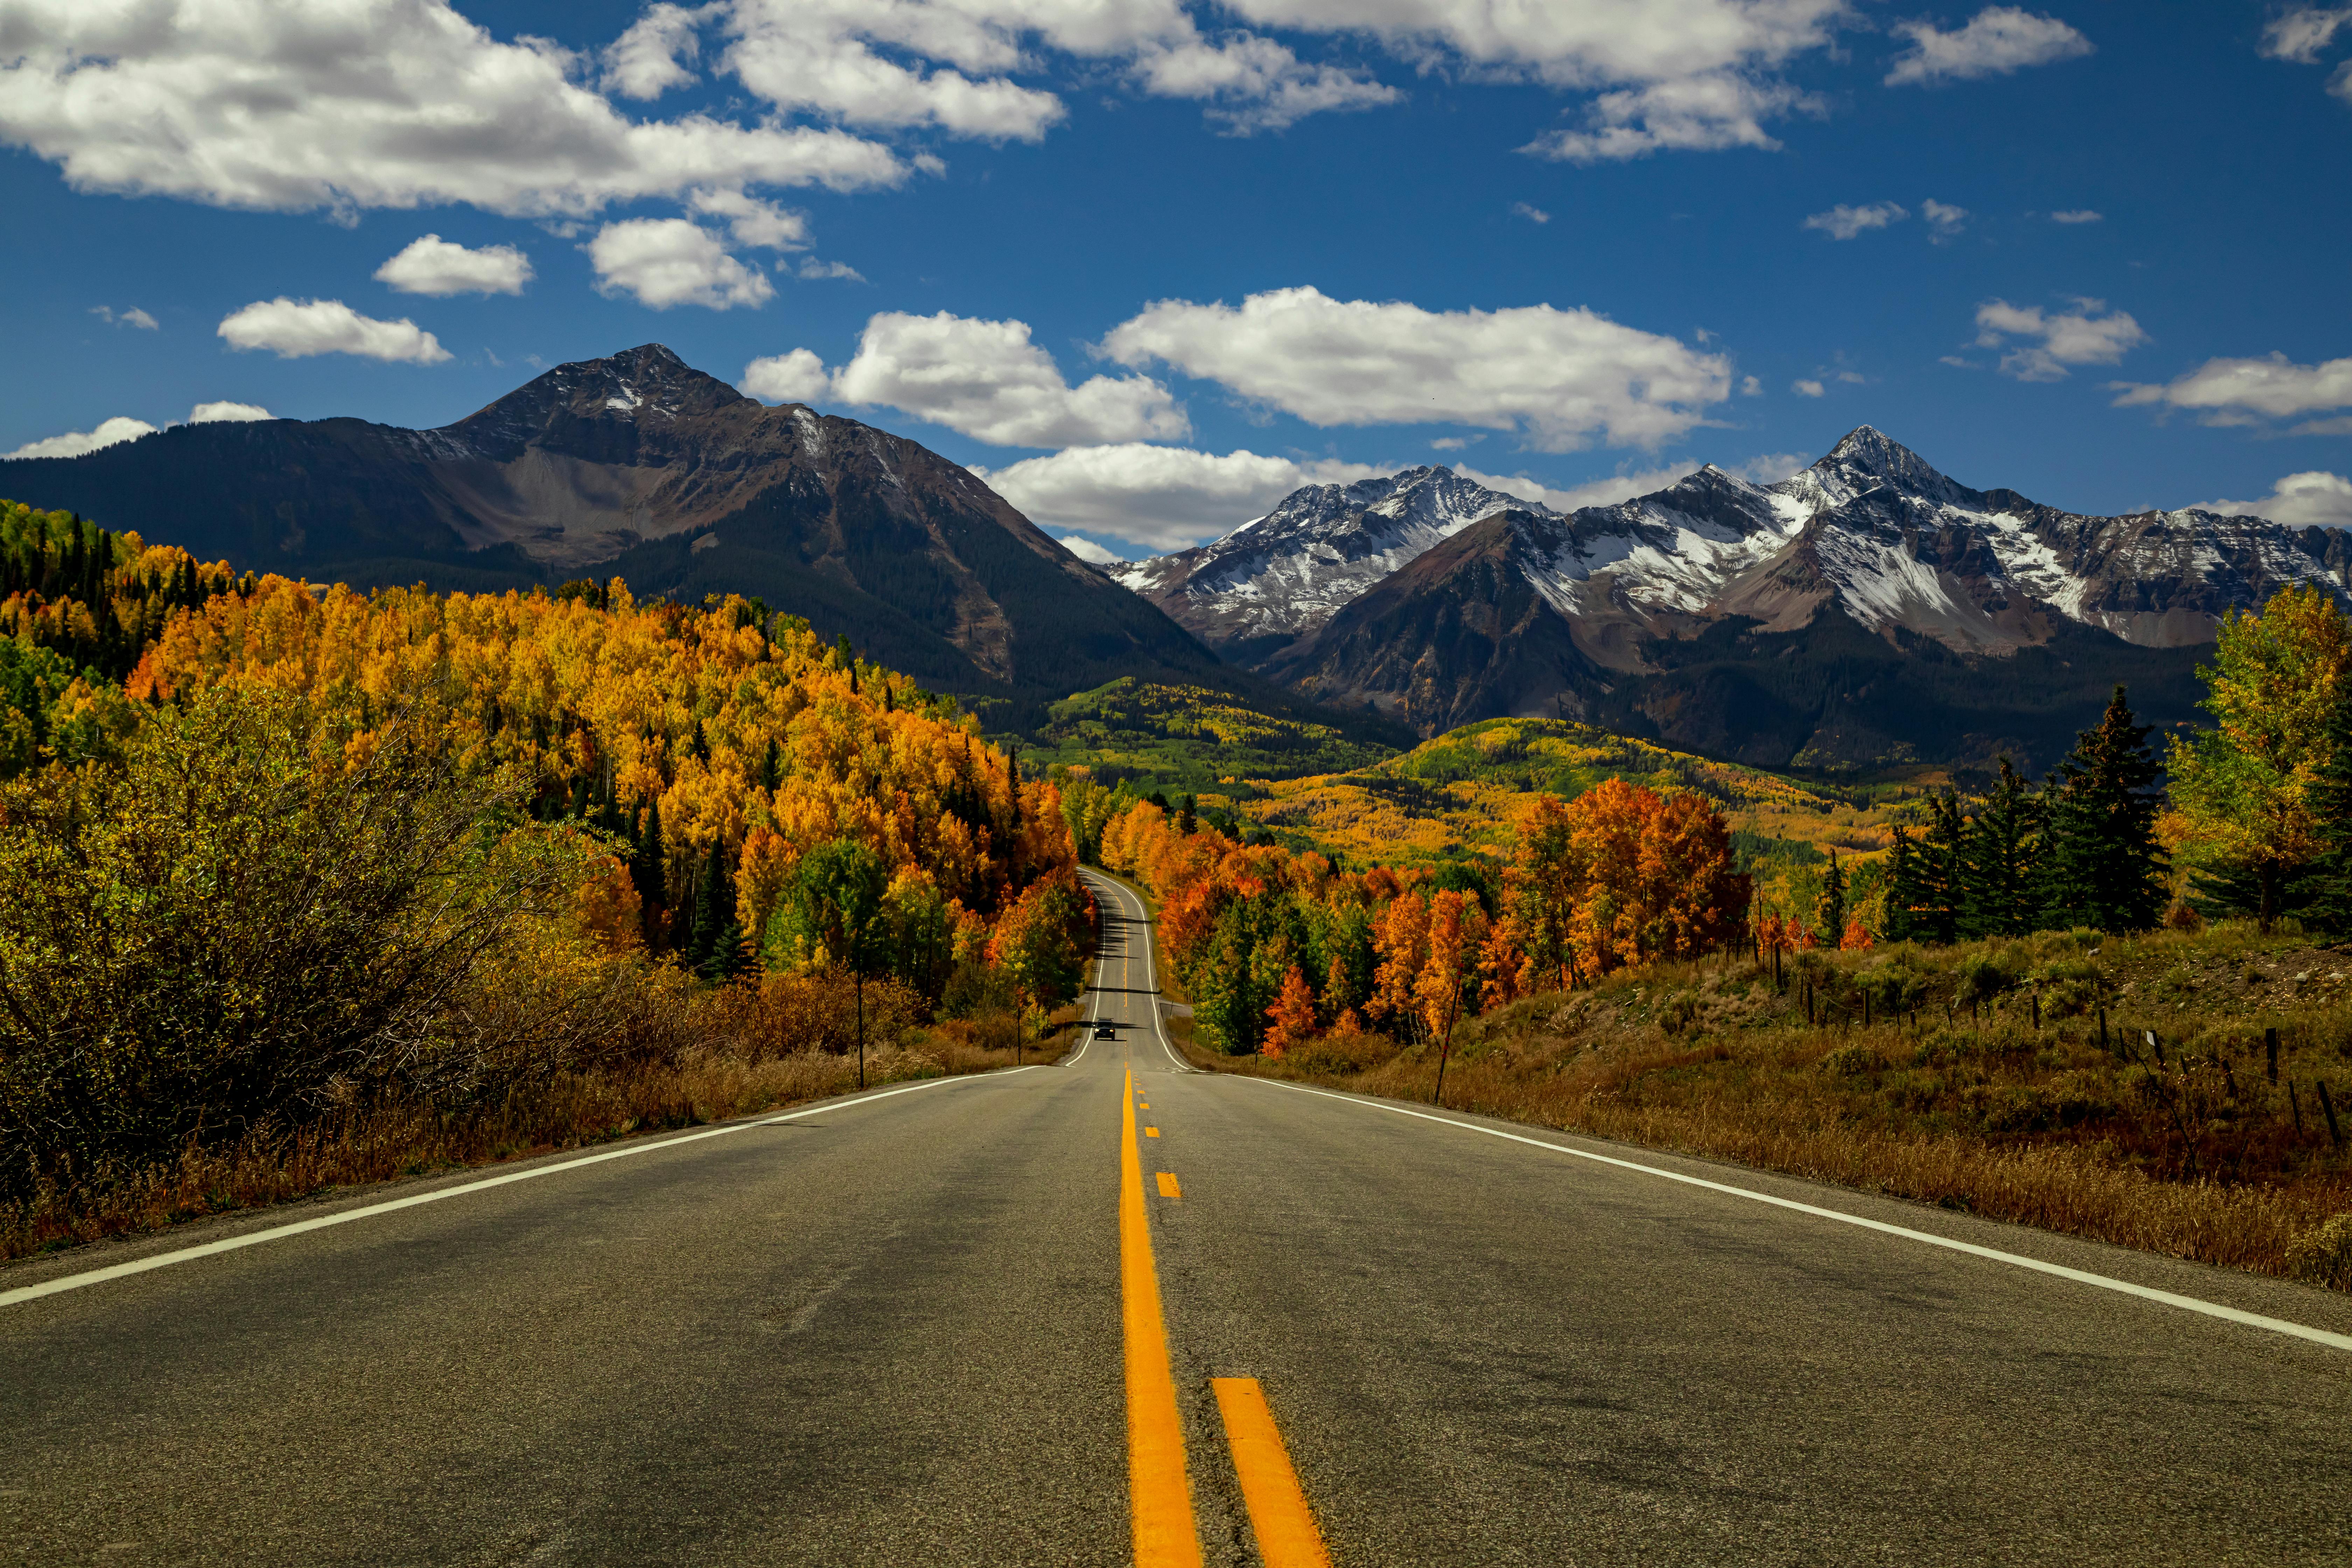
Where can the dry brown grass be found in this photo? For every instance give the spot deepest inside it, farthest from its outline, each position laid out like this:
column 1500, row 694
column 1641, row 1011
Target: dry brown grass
column 739, row 1063
column 2195, row 1154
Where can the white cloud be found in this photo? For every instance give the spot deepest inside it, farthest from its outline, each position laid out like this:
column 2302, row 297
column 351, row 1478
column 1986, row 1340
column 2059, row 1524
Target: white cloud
column 761, row 225
column 1842, row 221
column 1559, row 377
column 2304, row 33
column 987, row 380
column 299, row 329
column 289, row 105
column 655, row 54
column 2090, row 334
column 1160, row 498
column 434, row 266
column 1701, row 112
column 1087, row 550
column 813, row 268
column 1750, row 387
column 2241, row 391
column 1256, row 84
column 2080, row 215
column 666, row 261
column 2298, row 500
column 227, row 414
column 74, row 443
column 1998, row 40
column 1807, row 388
column 1532, row 212
column 1944, row 218
column 1765, row 468
column 796, row 377
column 133, row 317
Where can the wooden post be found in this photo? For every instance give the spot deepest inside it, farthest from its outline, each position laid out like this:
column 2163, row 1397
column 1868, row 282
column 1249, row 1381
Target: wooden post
column 2334, row 1133
column 2270, row 1048
column 2295, row 1104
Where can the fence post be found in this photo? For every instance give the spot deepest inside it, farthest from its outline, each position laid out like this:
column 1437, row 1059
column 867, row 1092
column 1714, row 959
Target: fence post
column 2335, row 1134
column 2295, row 1103
column 2270, row 1048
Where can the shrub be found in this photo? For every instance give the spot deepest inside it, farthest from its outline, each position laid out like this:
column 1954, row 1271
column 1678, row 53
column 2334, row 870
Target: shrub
column 2323, row 1255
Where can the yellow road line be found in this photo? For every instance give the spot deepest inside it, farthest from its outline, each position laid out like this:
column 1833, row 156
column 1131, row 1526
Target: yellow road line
column 1152, row 1132
column 1286, row 1536
column 1168, row 1185
column 1159, row 1497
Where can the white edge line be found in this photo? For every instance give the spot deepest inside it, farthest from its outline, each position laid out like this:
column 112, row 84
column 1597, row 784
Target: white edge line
column 255, row 1238
column 2186, row 1303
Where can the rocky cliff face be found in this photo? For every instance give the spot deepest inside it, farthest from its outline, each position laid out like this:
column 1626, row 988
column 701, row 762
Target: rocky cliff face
column 641, row 466
column 1908, row 616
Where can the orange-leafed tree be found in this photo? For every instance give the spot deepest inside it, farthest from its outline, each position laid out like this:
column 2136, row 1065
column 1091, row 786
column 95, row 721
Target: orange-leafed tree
column 1290, row 1022
column 1857, row 937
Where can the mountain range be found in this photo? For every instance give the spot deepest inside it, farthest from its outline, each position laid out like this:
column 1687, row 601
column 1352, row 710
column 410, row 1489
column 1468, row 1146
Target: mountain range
column 1867, row 611
column 642, row 467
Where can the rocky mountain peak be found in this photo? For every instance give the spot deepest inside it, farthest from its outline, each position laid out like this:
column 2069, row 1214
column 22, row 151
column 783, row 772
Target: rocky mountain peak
column 1868, row 452
column 645, row 386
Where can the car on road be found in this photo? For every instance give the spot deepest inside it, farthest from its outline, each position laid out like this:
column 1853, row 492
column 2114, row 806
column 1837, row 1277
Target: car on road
column 1104, row 1032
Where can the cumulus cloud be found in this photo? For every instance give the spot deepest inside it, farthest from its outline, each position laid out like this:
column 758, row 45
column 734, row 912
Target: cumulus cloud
column 1943, row 219
column 1842, row 221
column 133, row 317
column 987, row 380
column 1087, row 550
column 299, row 329
column 2303, row 33
column 2079, row 214
column 655, row 54
column 121, row 428
column 2089, row 334
column 796, row 377
column 1252, row 83
column 815, row 269
column 2299, row 501
column 1532, row 212
column 74, row 443
column 1160, row 498
column 1702, row 112
column 1750, row 387
column 1998, row 40
column 289, row 105
column 666, row 261
column 1560, row 378
column 441, row 267
column 764, row 226
column 2244, row 390
column 1807, row 388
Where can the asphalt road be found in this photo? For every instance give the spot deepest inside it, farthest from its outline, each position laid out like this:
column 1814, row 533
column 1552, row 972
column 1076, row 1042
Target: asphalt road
column 895, row 1330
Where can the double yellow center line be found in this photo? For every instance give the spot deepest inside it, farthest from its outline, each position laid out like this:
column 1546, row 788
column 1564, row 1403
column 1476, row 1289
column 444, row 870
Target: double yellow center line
column 1159, row 1492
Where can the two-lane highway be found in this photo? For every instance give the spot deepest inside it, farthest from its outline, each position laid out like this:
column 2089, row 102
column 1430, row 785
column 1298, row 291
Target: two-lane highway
column 904, row 1329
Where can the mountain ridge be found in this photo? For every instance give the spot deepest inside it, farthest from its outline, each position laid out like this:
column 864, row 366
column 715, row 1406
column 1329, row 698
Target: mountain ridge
column 639, row 466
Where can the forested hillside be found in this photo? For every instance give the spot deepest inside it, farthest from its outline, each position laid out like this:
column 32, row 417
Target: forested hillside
column 273, row 855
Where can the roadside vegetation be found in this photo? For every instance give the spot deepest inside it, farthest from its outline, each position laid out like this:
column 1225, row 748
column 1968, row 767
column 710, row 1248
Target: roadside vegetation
column 2102, row 1006
column 299, row 888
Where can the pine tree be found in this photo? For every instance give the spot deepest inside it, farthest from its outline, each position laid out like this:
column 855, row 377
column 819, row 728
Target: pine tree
column 646, row 869
column 771, row 774
column 1188, row 818
column 1829, row 914
column 1904, row 893
column 710, row 913
column 2003, row 883
column 1936, row 873
column 2107, row 869
column 2322, row 896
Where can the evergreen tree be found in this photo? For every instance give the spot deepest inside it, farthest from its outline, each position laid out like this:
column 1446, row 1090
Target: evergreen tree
column 1935, row 872
column 1188, row 818
column 646, row 869
column 1830, row 913
column 771, row 774
column 1904, row 893
column 700, row 745
column 2323, row 895
column 2106, row 868
column 2004, row 886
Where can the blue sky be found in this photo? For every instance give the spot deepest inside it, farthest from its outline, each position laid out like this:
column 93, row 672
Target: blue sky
column 1150, row 265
